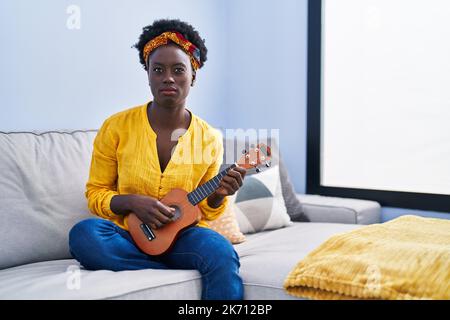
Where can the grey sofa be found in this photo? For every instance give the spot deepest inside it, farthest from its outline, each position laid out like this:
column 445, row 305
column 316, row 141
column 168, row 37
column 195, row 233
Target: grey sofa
column 42, row 183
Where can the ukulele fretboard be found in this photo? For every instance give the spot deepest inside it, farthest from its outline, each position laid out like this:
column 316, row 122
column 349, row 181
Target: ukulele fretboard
column 206, row 189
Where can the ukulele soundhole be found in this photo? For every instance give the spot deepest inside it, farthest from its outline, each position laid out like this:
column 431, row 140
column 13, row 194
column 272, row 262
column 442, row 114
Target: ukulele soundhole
column 177, row 213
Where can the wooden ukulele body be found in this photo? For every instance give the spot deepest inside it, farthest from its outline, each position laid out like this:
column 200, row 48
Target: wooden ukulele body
column 158, row 241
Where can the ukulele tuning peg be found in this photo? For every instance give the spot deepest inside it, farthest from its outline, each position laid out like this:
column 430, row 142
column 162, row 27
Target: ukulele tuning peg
column 244, row 151
column 258, row 170
column 267, row 164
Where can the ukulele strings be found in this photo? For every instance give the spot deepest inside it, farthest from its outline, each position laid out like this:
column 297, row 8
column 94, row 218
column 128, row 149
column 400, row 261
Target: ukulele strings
column 185, row 205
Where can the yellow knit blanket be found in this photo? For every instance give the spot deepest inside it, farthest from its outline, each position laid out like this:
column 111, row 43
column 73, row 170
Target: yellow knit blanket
column 405, row 258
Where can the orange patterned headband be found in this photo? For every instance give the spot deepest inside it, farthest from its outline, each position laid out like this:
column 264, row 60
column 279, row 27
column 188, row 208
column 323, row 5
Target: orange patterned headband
column 162, row 39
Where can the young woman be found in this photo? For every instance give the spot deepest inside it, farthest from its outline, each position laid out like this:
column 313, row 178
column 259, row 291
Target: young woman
column 142, row 153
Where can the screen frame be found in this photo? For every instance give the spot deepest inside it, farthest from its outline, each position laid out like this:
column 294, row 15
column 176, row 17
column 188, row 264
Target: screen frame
column 410, row 200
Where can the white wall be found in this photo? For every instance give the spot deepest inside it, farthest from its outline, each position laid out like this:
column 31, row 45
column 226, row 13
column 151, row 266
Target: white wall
column 53, row 77
column 267, row 74
column 255, row 77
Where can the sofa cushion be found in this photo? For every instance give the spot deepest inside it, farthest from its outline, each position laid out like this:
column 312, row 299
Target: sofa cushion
column 57, row 280
column 266, row 259
column 42, row 184
column 259, row 203
column 340, row 210
column 293, row 204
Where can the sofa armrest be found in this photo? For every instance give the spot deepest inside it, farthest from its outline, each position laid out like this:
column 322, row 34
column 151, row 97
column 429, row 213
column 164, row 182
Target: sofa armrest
column 340, row 210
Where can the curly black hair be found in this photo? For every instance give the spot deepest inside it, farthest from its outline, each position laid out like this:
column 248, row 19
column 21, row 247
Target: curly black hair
column 163, row 25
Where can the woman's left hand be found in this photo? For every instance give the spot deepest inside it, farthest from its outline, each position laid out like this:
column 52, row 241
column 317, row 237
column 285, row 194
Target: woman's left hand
column 231, row 182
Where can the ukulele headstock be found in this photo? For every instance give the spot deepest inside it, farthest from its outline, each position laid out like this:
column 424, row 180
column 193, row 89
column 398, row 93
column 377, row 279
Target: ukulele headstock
column 255, row 157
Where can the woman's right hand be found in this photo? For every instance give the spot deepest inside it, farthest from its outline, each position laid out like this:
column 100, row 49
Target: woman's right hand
column 149, row 210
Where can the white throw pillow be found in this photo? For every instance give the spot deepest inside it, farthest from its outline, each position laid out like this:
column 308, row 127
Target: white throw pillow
column 259, row 203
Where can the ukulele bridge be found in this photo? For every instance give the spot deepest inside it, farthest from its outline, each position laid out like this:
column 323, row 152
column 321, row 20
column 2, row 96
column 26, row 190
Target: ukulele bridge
column 148, row 232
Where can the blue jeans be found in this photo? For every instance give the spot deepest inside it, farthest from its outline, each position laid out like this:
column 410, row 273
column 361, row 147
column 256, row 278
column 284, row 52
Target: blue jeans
column 100, row 244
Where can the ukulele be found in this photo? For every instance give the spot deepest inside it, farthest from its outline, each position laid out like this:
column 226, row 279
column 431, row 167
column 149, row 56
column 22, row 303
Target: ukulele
column 158, row 241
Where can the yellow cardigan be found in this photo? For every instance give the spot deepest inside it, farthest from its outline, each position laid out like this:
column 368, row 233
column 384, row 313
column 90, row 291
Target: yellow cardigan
column 125, row 161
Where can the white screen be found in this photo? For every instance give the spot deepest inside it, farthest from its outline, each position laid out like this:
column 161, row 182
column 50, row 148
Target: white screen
column 386, row 95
